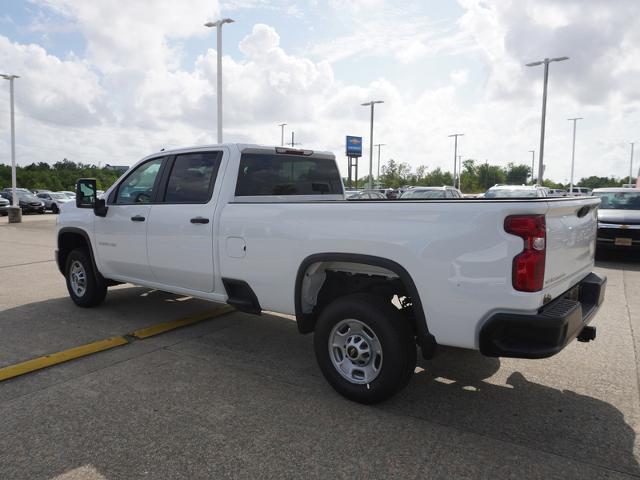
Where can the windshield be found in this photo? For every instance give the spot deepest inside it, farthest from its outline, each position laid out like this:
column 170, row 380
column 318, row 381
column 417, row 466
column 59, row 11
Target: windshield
column 510, row 193
column 423, row 194
column 619, row 200
column 26, row 196
column 59, row 196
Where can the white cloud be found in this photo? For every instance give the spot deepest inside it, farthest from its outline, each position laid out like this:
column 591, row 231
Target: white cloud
column 126, row 34
column 130, row 92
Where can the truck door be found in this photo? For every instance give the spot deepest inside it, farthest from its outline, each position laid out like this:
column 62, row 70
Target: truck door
column 180, row 235
column 121, row 236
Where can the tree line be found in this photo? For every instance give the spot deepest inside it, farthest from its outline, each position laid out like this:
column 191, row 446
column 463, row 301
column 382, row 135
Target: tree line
column 59, row 176
column 476, row 177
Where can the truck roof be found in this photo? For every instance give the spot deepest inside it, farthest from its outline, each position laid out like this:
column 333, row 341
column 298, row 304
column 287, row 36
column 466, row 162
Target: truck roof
column 244, row 146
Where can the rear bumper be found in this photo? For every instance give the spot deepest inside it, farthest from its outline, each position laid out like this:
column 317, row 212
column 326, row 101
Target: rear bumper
column 546, row 333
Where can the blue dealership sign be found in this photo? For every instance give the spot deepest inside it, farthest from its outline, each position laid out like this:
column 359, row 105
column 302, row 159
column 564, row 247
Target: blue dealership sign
column 354, row 146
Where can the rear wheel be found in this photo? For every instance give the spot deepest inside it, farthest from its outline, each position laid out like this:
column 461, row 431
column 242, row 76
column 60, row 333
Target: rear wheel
column 54, row 208
column 365, row 348
column 86, row 287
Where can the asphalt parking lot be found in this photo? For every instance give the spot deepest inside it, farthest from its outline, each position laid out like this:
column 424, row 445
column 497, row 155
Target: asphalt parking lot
column 240, row 396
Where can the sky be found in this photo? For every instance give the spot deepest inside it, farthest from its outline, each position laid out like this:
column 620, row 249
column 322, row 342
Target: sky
column 109, row 82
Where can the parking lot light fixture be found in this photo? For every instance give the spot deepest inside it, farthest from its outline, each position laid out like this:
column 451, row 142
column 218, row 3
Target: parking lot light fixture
column 379, row 145
column 546, row 63
column 455, row 154
column 631, row 164
column 14, row 196
column 533, row 164
column 218, row 24
column 372, row 104
column 282, row 125
column 573, row 150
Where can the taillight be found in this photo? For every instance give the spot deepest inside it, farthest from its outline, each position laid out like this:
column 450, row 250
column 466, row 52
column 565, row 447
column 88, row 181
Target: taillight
column 528, row 266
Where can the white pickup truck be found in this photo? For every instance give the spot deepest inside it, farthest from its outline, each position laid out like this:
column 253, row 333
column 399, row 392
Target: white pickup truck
column 269, row 229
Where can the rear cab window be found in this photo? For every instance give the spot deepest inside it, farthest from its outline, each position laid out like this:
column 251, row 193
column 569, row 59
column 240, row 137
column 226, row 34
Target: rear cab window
column 192, row 177
column 282, row 175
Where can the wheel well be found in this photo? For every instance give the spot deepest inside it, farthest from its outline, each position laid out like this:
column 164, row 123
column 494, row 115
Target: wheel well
column 323, row 278
column 69, row 241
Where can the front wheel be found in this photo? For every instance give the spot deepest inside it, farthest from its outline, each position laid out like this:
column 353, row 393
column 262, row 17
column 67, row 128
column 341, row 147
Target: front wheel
column 365, row 348
column 54, row 208
column 86, row 287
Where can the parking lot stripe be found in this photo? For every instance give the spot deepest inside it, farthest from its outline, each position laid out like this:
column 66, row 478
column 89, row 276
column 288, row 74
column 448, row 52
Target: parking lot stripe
column 181, row 322
column 60, row 357
column 45, row 361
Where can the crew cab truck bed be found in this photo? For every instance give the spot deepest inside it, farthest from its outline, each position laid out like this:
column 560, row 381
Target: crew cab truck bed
column 266, row 228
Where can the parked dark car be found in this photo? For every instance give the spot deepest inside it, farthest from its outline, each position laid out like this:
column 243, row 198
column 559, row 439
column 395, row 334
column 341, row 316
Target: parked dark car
column 27, row 202
column 618, row 218
column 4, row 204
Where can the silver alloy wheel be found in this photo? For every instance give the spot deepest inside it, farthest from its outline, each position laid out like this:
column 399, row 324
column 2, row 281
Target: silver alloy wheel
column 355, row 351
column 78, row 278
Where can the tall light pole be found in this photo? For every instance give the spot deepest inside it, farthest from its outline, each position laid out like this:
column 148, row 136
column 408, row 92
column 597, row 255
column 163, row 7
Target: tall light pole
column 546, row 63
column 218, row 24
column 459, row 171
column 573, row 151
column 14, row 196
column 281, row 125
column 379, row 145
column 631, row 165
column 455, row 154
column 533, row 163
column 372, row 104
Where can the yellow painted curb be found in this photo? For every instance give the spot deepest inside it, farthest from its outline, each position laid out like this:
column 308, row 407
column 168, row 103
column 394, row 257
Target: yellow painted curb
column 39, row 363
column 182, row 322
column 60, row 357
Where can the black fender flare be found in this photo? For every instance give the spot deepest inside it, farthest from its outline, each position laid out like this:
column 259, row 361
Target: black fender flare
column 85, row 235
column 306, row 322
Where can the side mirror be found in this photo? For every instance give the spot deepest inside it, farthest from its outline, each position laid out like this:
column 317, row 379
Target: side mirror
column 86, row 193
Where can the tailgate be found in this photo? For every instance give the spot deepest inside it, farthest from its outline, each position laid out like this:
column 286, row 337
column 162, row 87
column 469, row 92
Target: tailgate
column 571, row 236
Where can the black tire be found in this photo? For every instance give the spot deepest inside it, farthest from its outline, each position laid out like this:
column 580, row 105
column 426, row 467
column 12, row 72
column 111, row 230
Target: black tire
column 95, row 287
column 393, row 333
column 55, row 209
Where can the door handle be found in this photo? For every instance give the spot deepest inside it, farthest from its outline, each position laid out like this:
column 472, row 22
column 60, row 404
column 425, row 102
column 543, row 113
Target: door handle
column 137, row 218
column 199, row 220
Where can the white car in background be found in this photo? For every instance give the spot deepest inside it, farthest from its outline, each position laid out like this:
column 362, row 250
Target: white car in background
column 516, row 191
column 580, row 192
column 557, row 192
column 71, row 195
column 418, row 193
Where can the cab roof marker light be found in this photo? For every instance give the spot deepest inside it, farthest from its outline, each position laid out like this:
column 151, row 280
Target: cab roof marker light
column 293, row 151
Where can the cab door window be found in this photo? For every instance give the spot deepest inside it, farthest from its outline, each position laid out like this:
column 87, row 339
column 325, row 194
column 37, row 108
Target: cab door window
column 141, row 184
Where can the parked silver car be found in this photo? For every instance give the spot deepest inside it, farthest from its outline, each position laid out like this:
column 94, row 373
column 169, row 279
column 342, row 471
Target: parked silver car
column 53, row 201
column 367, row 195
